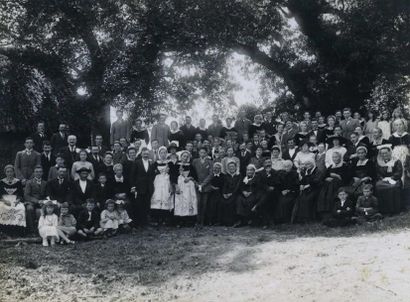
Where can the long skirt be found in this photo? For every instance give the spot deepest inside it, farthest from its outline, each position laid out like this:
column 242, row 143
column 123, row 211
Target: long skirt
column 389, row 197
column 244, row 204
column 304, row 209
column 214, row 199
column 327, row 195
column 13, row 215
column 186, row 201
column 284, row 206
column 400, row 153
column 48, row 231
column 162, row 197
column 226, row 210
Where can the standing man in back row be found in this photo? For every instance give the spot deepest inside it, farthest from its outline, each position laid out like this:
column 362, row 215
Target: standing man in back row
column 120, row 128
column 160, row 131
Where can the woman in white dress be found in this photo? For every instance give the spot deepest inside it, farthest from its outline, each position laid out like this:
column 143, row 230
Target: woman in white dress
column 161, row 201
column 276, row 158
column 303, row 156
column 186, row 201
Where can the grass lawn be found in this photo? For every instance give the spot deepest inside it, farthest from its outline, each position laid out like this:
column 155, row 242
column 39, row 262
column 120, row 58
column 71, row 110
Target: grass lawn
column 285, row 263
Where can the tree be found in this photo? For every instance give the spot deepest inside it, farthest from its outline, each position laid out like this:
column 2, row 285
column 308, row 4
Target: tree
column 151, row 55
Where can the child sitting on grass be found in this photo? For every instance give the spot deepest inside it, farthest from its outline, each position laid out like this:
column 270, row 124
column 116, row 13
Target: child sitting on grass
column 124, row 219
column 343, row 210
column 367, row 205
column 66, row 222
column 109, row 219
column 88, row 224
column 47, row 224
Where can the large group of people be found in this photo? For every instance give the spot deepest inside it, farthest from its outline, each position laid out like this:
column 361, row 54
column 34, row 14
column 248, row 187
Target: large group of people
column 338, row 169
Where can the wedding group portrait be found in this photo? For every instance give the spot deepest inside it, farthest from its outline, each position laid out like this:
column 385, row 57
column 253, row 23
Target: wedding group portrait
column 204, row 150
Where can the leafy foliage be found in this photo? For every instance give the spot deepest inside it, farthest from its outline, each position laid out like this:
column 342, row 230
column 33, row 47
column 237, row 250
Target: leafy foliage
column 152, row 55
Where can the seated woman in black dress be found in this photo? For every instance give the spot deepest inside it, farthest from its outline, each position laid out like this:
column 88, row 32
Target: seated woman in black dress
column 363, row 172
column 215, row 195
column 388, row 185
column 337, row 175
column 12, row 211
column 248, row 197
column 310, row 185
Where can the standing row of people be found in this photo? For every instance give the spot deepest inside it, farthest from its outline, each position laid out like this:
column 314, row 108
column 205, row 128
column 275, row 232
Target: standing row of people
column 268, row 171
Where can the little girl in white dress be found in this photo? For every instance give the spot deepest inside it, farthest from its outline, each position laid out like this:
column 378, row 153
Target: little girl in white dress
column 109, row 218
column 47, row 224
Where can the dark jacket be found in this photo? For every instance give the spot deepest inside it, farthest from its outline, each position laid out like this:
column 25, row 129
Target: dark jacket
column 58, row 192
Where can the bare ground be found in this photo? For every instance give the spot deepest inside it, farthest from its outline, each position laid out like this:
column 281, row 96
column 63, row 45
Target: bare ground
column 286, row 263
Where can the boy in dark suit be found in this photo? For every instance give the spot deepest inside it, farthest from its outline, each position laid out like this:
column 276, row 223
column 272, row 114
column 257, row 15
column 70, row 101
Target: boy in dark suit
column 88, row 222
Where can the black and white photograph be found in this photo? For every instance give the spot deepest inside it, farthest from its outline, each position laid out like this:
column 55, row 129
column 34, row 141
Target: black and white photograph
column 204, row 150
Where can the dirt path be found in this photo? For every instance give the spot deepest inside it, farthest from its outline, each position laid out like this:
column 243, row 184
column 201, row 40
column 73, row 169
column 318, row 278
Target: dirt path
column 214, row 265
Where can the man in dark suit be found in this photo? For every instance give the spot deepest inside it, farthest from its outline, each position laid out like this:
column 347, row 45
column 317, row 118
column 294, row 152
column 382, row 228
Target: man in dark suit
column 59, row 139
column 34, row 193
column 291, row 150
column 244, row 156
column 39, row 137
column 59, row 188
column 143, row 188
column 81, row 190
column 47, row 159
column 203, row 168
column 99, row 143
column 97, row 160
column 70, row 151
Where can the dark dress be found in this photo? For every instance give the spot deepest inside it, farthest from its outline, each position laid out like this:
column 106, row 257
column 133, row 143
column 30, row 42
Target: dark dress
column 389, row 195
column 226, row 207
column 214, row 199
column 288, row 181
column 245, row 204
column 178, row 137
column 305, row 205
column 330, row 187
column 360, row 171
column 269, row 196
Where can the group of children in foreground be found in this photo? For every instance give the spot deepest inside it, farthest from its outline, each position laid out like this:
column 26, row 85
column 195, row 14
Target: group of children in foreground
column 114, row 218
column 57, row 224
column 346, row 211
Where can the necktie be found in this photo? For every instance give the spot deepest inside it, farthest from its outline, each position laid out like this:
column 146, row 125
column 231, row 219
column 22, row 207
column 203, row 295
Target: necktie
column 60, row 181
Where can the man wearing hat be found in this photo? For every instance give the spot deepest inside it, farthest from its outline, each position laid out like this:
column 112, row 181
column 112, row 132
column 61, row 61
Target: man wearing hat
column 82, row 189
